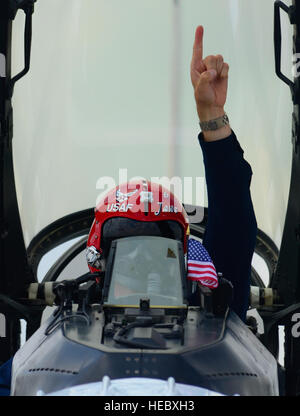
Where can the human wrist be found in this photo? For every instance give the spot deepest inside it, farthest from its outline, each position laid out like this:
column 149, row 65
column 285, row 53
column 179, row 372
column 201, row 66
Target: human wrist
column 207, row 113
column 212, row 136
column 212, row 113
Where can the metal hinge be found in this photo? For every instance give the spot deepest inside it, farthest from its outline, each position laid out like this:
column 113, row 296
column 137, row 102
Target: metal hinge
column 15, row 5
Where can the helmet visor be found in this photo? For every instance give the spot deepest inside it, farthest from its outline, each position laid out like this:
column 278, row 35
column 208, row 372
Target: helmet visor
column 120, row 227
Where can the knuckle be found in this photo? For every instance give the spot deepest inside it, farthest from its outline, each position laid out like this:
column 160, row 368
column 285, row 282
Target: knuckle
column 225, row 71
column 220, row 61
column 210, row 59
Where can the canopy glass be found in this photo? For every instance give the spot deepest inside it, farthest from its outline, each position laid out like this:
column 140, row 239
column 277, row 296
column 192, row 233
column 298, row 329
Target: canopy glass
column 146, row 268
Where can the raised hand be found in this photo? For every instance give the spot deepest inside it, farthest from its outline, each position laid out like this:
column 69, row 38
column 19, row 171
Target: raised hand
column 210, row 80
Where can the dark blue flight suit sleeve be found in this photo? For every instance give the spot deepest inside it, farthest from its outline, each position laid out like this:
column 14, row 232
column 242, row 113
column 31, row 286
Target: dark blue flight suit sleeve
column 230, row 233
column 5, row 378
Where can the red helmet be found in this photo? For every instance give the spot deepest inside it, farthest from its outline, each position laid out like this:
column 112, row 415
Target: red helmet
column 131, row 209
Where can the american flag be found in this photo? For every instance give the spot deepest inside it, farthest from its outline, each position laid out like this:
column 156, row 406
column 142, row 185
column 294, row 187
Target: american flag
column 200, row 265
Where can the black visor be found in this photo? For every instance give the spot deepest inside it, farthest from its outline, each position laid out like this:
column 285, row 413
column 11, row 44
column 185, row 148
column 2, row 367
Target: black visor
column 119, row 227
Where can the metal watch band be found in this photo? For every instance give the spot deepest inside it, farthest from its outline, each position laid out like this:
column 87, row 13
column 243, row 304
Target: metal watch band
column 215, row 124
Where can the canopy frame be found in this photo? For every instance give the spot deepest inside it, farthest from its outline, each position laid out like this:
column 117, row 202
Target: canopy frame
column 286, row 279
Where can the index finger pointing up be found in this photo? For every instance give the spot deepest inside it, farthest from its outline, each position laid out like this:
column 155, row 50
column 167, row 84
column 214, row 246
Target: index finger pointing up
column 198, row 49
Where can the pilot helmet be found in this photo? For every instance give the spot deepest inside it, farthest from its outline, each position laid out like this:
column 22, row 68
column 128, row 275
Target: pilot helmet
column 135, row 208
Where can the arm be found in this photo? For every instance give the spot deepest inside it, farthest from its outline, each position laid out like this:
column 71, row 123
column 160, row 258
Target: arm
column 231, row 230
column 209, row 78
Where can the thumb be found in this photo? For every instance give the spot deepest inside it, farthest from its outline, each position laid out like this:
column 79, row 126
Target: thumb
column 208, row 76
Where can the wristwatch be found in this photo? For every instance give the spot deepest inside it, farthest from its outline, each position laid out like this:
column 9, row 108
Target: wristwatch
column 215, row 124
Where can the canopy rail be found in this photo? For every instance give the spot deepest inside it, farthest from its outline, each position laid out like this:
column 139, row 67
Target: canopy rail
column 286, row 279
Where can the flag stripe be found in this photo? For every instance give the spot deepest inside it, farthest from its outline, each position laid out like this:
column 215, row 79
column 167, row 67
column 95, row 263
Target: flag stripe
column 203, row 270
column 206, row 283
column 202, row 276
column 201, row 263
